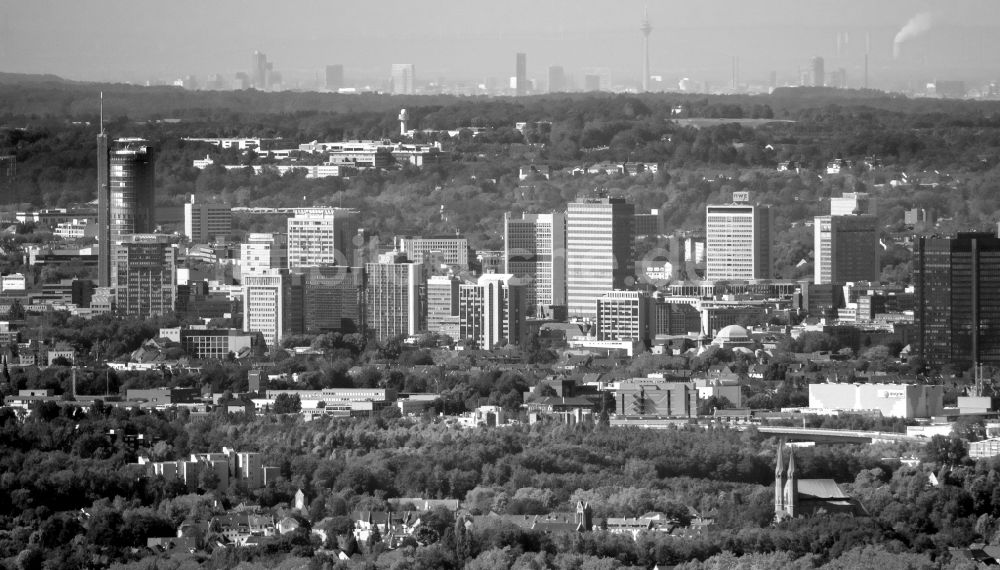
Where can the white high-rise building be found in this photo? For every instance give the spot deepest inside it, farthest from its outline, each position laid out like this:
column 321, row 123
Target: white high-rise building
column 600, row 242
column 535, row 251
column 393, row 297
column 263, row 252
column 738, row 242
column 492, row 311
column 403, row 79
column 322, row 236
column 273, row 304
column 442, row 305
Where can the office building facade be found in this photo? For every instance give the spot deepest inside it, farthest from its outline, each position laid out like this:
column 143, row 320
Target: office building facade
column 557, row 79
column 535, row 251
column 600, row 244
column 738, row 242
column 144, row 275
column 322, row 236
column 957, row 311
column 334, row 77
column 435, row 251
column 125, row 196
column 273, row 305
column 334, row 296
column 403, row 79
column 818, row 72
column 846, row 249
column 853, row 204
column 624, row 315
column 206, row 222
column 492, row 311
column 215, row 344
column 261, row 253
column 442, row 305
column 394, row 298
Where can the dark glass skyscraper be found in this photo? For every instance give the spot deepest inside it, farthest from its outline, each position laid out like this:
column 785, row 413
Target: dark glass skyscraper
column 957, row 283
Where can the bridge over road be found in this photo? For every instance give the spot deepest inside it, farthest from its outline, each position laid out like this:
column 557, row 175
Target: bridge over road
column 820, row 435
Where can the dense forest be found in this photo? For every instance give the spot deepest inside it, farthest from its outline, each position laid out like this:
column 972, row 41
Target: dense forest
column 59, row 461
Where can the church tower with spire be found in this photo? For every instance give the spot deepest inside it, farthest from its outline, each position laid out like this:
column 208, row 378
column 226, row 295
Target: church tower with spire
column 786, row 487
column 779, row 487
column 791, row 487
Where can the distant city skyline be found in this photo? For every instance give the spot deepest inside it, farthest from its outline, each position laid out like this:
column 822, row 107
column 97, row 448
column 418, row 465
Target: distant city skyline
column 476, row 41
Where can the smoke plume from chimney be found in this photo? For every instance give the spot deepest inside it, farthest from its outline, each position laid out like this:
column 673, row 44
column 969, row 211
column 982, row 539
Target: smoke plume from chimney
column 917, row 25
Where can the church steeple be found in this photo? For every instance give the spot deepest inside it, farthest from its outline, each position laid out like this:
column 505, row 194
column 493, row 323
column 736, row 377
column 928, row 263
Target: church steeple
column 779, row 485
column 791, row 487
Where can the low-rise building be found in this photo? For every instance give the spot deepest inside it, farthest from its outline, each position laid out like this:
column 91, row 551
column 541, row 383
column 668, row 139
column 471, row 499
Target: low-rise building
column 891, row 400
column 655, row 397
column 205, row 343
column 163, row 396
column 984, row 449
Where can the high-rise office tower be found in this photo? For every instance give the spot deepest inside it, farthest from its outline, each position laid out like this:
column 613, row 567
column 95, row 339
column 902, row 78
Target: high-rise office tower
column 492, row 311
column 403, row 79
column 333, row 296
column 442, row 305
column 394, row 297
column 738, row 242
column 241, row 80
column 322, row 236
column 535, row 251
column 678, row 259
column 125, row 196
column 646, row 29
column 263, row 252
column 600, row 242
column 132, row 189
column 846, row 243
column 521, row 74
column 259, row 70
column 334, row 77
column 144, row 275
column 206, row 222
column 846, row 249
column 597, row 79
column 957, row 312
column 818, row 72
column 557, row 79
column 273, row 304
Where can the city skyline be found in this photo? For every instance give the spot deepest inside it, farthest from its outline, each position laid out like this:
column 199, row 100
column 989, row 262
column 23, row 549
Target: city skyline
column 936, row 41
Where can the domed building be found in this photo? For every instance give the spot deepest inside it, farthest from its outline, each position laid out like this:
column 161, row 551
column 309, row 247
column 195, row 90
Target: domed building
column 733, row 336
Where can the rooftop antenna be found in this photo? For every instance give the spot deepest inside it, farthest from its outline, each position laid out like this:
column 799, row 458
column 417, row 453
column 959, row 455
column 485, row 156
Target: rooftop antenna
column 102, row 112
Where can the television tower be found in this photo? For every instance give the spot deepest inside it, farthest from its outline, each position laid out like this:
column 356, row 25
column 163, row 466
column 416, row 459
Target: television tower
column 646, row 28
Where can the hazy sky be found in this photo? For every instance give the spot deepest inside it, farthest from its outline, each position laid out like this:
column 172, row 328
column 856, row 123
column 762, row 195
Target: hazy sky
column 138, row 40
